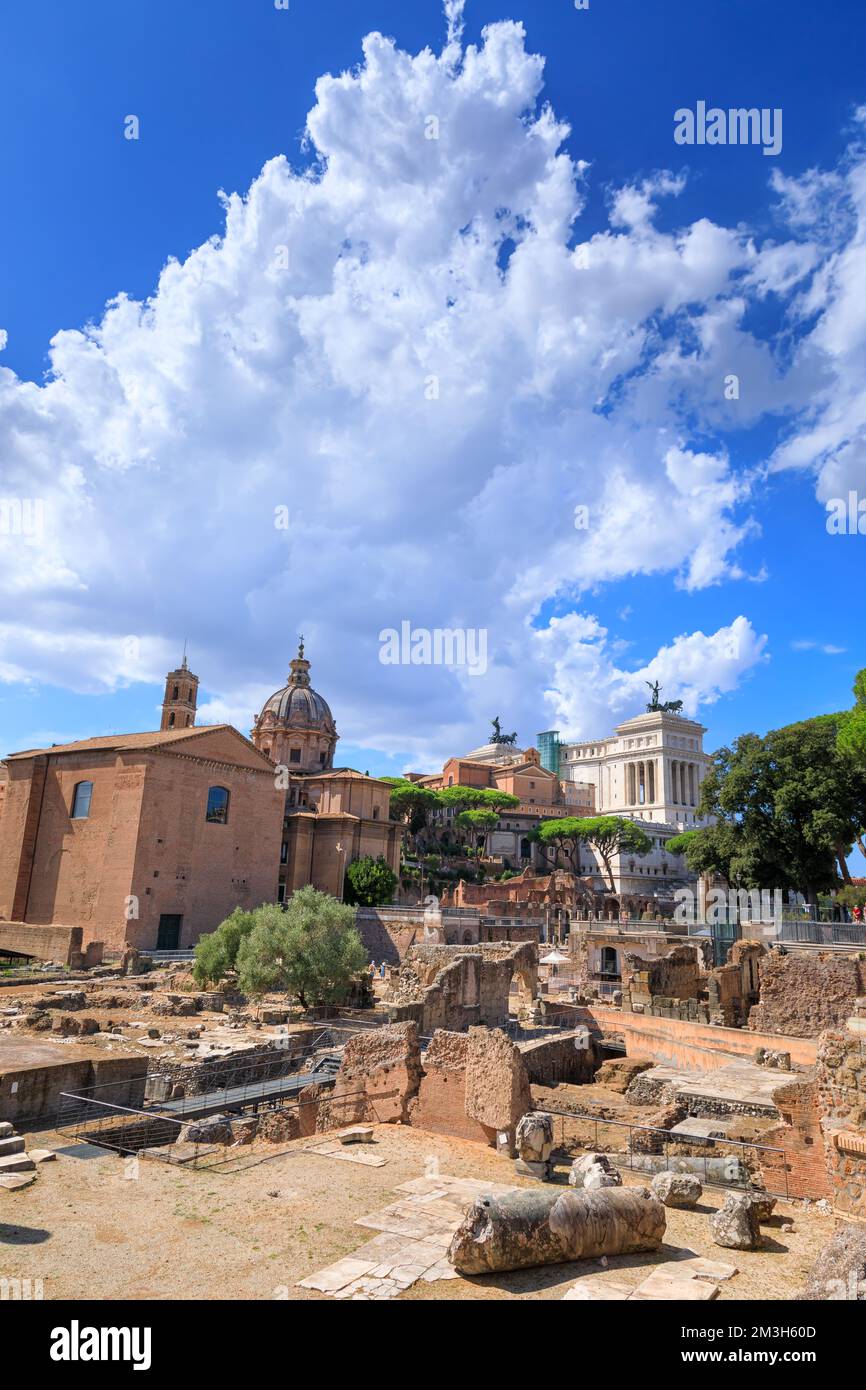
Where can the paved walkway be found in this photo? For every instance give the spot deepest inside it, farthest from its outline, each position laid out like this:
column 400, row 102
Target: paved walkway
column 413, row 1240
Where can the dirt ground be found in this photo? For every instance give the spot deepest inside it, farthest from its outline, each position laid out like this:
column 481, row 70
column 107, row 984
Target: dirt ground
column 101, row 1227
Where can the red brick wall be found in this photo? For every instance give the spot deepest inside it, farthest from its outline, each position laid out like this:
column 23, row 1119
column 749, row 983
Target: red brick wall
column 146, row 837
column 82, row 869
column 441, row 1106
column 801, row 1170
column 203, row 871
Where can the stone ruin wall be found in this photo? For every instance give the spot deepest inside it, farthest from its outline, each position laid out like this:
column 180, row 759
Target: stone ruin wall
column 841, row 1089
column 668, row 987
column 472, row 1085
column 802, row 995
column 733, row 989
column 677, row 985
column 457, row 987
column 823, row 1129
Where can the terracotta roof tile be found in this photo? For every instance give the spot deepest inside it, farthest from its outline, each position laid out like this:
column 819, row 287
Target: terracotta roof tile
column 154, row 739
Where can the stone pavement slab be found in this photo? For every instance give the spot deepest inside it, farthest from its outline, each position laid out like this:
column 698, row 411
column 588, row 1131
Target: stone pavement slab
column 597, row 1291
column 666, row 1283
column 414, row 1235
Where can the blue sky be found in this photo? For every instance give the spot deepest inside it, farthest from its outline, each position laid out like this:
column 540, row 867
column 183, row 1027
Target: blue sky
column 162, row 447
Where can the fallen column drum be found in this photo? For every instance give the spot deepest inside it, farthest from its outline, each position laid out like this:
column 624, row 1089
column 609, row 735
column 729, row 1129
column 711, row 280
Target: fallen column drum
column 524, row 1228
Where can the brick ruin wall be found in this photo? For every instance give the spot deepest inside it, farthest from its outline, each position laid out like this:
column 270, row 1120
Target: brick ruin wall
column 472, row 1085
column 823, row 1129
column 802, row 995
column 379, row 1075
column 441, row 1101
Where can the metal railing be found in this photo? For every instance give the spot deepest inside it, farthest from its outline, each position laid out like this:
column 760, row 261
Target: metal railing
column 715, row 1164
column 147, row 1134
column 822, row 933
column 168, row 957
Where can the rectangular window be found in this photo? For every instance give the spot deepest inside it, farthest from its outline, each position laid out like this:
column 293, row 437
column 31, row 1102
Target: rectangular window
column 294, row 755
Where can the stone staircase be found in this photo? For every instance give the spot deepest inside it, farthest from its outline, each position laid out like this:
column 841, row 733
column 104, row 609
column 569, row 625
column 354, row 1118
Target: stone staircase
column 17, row 1166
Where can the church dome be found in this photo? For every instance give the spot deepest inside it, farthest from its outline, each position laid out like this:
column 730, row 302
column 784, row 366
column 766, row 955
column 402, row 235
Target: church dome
column 296, row 726
column 299, row 706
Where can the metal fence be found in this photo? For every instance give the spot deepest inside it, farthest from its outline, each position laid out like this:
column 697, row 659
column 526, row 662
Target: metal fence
column 822, row 933
column 721, row 1162
column 153, row 1135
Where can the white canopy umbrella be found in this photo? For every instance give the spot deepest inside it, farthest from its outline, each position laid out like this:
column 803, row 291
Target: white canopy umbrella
column 554, row 957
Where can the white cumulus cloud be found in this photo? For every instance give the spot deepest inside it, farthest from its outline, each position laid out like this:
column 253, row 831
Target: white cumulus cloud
column 404, row 347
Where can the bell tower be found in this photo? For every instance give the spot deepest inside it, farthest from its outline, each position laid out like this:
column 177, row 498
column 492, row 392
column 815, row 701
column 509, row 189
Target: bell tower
column 181, row 694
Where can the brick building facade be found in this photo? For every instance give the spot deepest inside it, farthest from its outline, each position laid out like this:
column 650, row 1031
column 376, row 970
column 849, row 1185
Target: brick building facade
column 143, row 839
column 150, row 840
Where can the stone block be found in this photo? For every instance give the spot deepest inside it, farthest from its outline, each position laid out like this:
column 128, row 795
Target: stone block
column 11, row 1181
column 356, row 1134
column 677, row 1190
column 531, row 1170
column 16, row 1163
column 735, row 1225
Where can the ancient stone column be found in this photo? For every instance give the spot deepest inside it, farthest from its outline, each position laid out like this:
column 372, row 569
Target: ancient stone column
column 525, row 1228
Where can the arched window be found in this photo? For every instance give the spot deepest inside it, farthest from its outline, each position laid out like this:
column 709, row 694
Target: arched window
column 171, row 720
column 218, row 805
column 81, row 800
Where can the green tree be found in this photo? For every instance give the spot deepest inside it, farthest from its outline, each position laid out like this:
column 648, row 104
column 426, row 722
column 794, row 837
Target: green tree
column 370, row 882
column 474, row 799
column 789, row 807
column 713, row 850
column 476, row 822
column 309, row 949
column 607, row 835
column 851, row 738
column 412, row 806
column 462, row 799
column 216, row 953
column 610, row 835
column 562, row 836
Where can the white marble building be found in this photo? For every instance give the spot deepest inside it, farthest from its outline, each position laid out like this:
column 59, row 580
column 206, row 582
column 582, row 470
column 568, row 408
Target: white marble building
column 650, row 769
